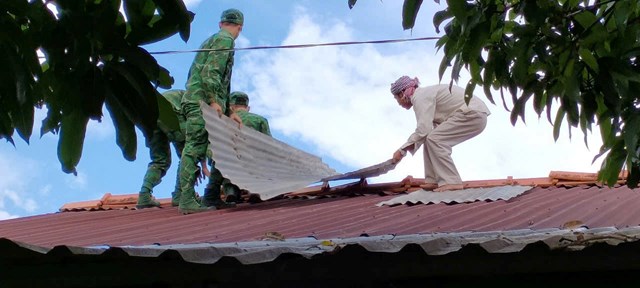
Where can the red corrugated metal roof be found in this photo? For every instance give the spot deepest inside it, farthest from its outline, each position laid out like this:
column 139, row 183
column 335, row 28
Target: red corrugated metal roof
column 329, row 217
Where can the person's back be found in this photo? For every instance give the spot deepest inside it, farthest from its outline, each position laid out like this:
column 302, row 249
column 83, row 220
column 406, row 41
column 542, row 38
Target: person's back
column 254, row 121
column 210, row 75
column 447, row 100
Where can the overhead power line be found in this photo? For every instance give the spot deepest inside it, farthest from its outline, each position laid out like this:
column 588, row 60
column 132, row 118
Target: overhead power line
column 293, row 46
column 299, row 45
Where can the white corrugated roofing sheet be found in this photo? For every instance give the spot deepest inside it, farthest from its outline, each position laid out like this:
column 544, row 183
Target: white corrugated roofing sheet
column 458, row 196
column 367, row 172
column 259, row 163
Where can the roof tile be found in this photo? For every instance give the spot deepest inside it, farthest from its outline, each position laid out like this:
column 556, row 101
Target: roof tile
column 82, row 205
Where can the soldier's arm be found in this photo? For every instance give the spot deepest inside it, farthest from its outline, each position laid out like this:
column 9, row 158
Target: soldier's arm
column 215, row 65
column 236, row 118
column 205, row 169
column 265, row 127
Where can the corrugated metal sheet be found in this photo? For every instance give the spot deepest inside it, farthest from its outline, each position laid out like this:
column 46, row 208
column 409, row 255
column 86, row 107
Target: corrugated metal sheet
column 329, row 218
column 261, row 164
column 458, row 196
column 432, row 244
column 367, row 172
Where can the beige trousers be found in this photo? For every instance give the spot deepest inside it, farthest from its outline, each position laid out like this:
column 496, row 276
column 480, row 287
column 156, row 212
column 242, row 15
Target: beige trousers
column 461, row 126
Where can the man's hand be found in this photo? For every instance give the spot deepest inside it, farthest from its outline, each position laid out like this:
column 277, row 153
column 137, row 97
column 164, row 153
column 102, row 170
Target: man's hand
column 205, row 169
column 398, row 155
column 216, row 106
column 236, row 118
column 199, row 177
column 203, row 172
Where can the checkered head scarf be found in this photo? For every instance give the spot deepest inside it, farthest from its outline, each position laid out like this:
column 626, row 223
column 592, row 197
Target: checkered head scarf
column 406, row 84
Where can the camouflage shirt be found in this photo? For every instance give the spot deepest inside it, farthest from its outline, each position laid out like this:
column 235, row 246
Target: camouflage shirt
column 254, row 121
column 210, row 74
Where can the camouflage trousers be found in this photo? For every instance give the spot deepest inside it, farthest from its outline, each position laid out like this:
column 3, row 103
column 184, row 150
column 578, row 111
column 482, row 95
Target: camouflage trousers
column 195, row 148
column 160, row 155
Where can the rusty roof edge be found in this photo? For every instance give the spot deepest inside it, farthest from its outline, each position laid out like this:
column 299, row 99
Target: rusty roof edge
column 408, row 184
column 253, row 252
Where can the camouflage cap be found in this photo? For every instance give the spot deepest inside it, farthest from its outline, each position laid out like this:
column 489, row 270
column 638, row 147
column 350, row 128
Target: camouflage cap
column 232, row 16
column 239, row 98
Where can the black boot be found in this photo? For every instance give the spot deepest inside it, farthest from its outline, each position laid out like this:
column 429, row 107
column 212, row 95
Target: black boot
column 211, row 198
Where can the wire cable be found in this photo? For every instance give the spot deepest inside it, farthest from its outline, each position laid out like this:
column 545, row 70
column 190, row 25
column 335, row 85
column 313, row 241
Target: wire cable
column 298, row 45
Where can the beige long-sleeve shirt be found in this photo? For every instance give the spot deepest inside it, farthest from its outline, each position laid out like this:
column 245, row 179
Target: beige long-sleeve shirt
column 434, row 105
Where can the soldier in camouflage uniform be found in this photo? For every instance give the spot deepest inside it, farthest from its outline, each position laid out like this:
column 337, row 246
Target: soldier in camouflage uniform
column 160, row 154
column 239, row 103
column 209, row 81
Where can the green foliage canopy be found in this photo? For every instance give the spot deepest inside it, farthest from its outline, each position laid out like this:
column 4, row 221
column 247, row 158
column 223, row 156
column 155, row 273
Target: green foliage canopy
column 578, row 58
column 91, row 57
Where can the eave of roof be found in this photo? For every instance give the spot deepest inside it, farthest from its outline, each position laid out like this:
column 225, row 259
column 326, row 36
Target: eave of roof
column 253, row 252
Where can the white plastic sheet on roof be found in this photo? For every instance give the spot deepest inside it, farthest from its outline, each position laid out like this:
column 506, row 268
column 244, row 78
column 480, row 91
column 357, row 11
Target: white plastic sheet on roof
column 259, row 163
column 459, row 196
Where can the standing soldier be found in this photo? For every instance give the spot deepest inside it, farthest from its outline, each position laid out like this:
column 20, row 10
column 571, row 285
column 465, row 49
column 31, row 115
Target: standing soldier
column 209, row 81
column 160, row 154
column 239, row 103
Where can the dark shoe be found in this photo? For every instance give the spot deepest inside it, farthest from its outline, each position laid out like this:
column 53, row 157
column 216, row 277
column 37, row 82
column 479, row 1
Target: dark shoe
column 254, row 198
column 231, row 199
column 190, row 207
column 211, row 198
column 187, row 211
column 211, row 195
column 145, row 200
column 218, row 204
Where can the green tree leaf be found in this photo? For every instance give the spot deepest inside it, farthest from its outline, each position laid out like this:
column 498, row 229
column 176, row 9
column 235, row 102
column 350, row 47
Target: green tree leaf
column 70, row 143
column 135, row 95
column 410, row 10
column 577, row 57
column 440, row 17
column 90, row 49
column 126, row 137
column 167, row 116
column 613, row 163
column 139, row 12
column 589, row 59
column 459, row 10
column 558, row 123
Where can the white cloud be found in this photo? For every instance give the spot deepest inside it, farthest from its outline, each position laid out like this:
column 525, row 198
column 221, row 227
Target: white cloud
column 17, row 199
column 78, row 182
column 337, row 99
column 5, row 215
column 13, row 184
column 45, row 190
column 102, row 130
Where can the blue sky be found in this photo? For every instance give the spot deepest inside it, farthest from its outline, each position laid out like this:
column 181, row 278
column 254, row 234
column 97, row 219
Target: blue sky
column 330, row 101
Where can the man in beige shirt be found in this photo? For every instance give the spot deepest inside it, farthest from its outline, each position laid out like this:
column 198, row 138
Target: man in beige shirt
column 443, row 120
